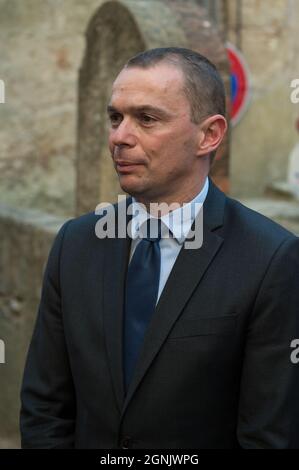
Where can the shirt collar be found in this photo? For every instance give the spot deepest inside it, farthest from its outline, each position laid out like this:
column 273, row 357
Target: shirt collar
column 178, row 221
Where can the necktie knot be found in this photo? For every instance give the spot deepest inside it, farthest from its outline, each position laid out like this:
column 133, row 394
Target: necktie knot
column 151, row 230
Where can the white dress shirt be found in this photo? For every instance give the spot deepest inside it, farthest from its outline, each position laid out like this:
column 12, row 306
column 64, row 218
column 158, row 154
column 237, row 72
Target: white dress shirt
column 177, row 222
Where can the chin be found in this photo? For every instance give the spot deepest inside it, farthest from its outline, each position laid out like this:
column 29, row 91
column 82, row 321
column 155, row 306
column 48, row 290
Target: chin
column 132, row 191
column 130, row 186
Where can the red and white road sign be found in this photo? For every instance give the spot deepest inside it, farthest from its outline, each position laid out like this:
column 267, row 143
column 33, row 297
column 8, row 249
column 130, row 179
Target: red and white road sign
column 240, row 87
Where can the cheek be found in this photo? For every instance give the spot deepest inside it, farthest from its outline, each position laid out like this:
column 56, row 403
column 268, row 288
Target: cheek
column 168, row 150
column 110, row 144
column 152, row 148
column 189, row 146
column 162, row 145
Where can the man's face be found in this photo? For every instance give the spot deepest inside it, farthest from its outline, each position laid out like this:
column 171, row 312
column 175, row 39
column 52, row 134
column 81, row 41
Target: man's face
column 152, row 140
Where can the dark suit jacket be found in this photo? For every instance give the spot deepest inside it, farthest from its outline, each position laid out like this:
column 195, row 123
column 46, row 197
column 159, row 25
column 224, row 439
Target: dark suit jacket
column 215, row 368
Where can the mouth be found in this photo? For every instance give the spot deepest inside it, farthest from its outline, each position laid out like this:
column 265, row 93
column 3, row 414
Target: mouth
column 126, row 166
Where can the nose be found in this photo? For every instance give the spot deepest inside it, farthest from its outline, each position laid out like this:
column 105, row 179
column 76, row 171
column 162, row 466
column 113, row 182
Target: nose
column 123, row 134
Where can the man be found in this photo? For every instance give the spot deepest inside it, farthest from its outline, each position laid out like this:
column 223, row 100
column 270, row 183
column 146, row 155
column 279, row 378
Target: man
column 141, row 341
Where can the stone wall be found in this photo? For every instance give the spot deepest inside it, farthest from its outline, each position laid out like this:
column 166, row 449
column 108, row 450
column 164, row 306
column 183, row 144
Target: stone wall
column 41, row 48
column 267, row 35
column 26, row 236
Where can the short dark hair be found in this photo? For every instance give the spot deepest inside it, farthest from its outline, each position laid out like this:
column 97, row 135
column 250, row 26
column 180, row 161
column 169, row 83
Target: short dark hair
column 203, row 86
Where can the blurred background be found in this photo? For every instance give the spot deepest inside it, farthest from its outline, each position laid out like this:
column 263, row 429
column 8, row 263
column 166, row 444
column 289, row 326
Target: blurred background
column 58, row 59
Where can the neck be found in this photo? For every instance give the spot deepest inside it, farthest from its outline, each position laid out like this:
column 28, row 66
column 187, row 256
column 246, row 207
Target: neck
column 159, row 206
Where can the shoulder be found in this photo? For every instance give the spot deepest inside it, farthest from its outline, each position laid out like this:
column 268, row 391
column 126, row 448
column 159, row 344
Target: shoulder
column 255, row 229
column 241, row 224
column 84, row 226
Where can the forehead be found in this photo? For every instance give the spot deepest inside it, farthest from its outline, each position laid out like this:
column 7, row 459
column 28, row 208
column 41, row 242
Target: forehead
column 161, row 83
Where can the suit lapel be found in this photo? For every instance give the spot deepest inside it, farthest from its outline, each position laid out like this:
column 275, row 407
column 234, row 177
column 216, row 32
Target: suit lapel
column 116, row 261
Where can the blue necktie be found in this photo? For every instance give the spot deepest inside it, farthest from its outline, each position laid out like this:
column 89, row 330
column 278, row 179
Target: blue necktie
column 141, row 294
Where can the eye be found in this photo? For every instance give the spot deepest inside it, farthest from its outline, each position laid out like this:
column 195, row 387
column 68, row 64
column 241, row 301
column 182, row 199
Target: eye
column 146, row 119
column 115, row 119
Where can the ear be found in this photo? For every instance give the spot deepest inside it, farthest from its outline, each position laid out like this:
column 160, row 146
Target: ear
column 211, row 133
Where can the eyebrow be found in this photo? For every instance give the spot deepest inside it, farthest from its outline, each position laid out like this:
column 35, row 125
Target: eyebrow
column 147, row 108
